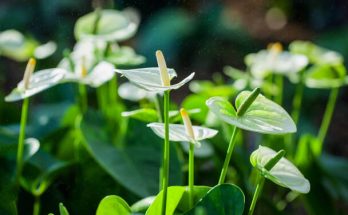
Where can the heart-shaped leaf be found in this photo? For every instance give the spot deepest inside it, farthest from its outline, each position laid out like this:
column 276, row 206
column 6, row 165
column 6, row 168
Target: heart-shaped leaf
column 113, row 205
column 325, row 76
column 136, row 164
column 284, row 173
column 224, row 199
column 263, row 115
column 177, row 200
column 143, row 204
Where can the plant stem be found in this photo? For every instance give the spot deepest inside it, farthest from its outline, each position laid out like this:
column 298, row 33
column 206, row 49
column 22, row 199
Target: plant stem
column 83, row 102
column 37, row 205
column 191, row 174
column 113, row 91
column 20, row 149
column 327, row 117
column 165, row 151
column 280, row 83
column 260, row 182
column 228, row 156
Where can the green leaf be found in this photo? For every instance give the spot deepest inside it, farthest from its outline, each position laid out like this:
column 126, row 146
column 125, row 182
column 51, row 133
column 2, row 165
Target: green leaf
column 134, row 165
column 325, row 76
column 125, row 56
column 144, row 114
column 113, row 205
column 143, row 204
column 284, row 173
column 113, row 25
column 177, row 201
column 263, row 115
column 315, row 53
column 40, row 171
column 63, row 210
column 224, row 199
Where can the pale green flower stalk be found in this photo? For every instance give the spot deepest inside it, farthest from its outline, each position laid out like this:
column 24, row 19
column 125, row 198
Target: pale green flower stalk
column 240, row 112
column 191, row 173
column 25, row 106
column 165, row 167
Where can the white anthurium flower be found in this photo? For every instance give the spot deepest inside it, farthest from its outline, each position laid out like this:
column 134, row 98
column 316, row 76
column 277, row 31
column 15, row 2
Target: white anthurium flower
column 155, row 79
column 112, row 25
column 275, row 60
column 132, row 92
column 177, row 133
column 37, row 82
column 284, row 173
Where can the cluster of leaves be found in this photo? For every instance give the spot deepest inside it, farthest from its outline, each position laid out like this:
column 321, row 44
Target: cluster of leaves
column 94, row 149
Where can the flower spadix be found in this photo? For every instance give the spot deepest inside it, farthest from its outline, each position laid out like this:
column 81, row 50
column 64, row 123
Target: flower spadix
column 253, row 112
column 37, row 82
column 184, row 133
column 283, row 173
column 156, row 79
column 275, row 60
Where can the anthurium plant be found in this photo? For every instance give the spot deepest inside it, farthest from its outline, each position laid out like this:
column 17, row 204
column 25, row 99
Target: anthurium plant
column 122, row 146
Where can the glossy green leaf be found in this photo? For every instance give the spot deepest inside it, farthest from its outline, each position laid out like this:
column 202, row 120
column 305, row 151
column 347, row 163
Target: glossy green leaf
column 113, row 205
column 315, row 53
column 177, row 200
column 143, row 204
column 113, row 25
column 263, row 115
column 135, row 165
column 63, row 210
column 224, row 199
column 325, row 76
column 284, row 173
column 144, row 114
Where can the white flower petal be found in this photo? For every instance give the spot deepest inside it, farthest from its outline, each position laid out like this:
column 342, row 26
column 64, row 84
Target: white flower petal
column 132, row 92
column 100, row 74
column 45, row 50
column 284, row 173
column 177, row 132
column 39, row 81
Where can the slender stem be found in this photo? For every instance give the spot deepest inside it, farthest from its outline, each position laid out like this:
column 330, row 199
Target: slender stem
column 261, row 181
column 21, row 138
column 228, row 156
column 165, row 152
column 101, row 97
column 191, row 174
column 280, row 83
column 96, row 21
column 327, row 117
column 37, row 205
column 83, row 102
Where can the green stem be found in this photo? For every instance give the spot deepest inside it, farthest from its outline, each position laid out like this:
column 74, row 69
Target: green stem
column 280, row 83
column 102, row 98
column 37, row 205
column 191, row 173
column 96, row 21
column 165, row 152
column 228, row 156
column 260, row 182
column 327, row 117
column 113, row 91
column 83, row 102
column 21, row 138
